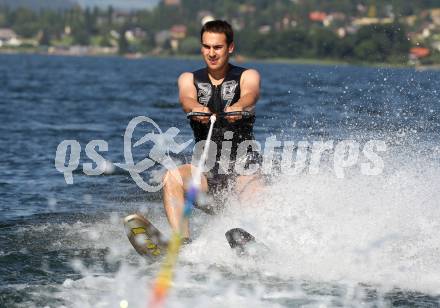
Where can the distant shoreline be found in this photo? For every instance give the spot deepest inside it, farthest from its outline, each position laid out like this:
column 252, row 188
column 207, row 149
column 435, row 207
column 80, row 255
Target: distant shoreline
column 237, row 59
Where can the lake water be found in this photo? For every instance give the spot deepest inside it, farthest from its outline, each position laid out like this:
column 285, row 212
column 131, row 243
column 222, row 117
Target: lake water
column 336, row 239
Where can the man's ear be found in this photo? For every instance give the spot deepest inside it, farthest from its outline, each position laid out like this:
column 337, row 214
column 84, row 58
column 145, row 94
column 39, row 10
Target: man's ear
column 231, row 47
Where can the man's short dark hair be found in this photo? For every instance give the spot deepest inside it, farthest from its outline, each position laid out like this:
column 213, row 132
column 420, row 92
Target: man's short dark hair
column 218, row 26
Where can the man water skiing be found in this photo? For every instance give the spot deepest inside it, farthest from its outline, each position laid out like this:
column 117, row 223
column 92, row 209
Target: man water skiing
column 218, row 88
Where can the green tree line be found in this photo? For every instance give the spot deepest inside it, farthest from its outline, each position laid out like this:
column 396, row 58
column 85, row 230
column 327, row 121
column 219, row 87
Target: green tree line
column 374, row 43
column 93, row 26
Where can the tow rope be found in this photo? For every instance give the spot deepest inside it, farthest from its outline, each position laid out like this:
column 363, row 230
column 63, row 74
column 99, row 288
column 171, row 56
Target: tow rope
column 164, row 278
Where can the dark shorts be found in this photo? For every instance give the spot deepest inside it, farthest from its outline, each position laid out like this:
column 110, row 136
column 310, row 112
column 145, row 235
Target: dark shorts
column 221, row 186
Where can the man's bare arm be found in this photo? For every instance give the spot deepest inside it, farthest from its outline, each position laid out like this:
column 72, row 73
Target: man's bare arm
column 250, row 89
column 250, row 92
column 187, row 92
column 188, row 96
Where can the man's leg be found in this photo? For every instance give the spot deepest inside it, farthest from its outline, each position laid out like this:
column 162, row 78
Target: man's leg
column 249, row 187
column 175, row 185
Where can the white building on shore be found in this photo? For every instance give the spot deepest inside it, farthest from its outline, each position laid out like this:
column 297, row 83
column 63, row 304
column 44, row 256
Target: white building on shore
column 9, row 38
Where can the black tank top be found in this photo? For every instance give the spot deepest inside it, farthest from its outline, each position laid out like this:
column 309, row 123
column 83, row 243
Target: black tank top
column 217, row 98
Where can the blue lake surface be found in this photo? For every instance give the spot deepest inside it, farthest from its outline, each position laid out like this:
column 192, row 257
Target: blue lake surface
column 64, row 245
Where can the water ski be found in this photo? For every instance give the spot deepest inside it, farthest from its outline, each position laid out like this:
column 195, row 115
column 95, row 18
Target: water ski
column 239, row 240
column 145, row 238
column 149, row 241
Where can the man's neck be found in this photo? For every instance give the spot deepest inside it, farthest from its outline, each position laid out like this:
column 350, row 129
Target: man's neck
column 217, row 76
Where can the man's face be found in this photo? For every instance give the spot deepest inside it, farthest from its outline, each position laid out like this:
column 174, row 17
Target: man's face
column 215, row 50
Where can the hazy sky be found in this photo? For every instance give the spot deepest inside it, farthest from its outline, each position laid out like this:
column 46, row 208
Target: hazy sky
column 123, row 4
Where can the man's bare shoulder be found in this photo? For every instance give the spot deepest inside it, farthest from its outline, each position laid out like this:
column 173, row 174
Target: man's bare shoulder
column 185, row 78
column 250, row 75
column 187, row 89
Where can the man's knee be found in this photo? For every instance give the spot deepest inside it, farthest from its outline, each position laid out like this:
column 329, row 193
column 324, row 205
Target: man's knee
column 176, row 176
column 251, row 183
